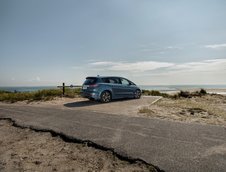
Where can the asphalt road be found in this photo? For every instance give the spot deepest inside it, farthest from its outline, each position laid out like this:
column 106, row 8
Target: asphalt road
column 172, row 146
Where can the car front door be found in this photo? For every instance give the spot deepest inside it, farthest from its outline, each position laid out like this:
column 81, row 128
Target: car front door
column 126, row 89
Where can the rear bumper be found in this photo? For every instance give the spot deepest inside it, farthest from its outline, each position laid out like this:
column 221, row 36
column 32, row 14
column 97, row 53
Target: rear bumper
column 94, row 95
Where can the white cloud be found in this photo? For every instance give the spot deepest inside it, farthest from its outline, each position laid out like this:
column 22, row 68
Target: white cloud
column 155, row 72
column 216, row 46
column 202, row 72
column 174, row 47
column 206, row 65
column 140, row 66
column 132, row 67
column 145, row 66
column 157, row 49
column 101, row 63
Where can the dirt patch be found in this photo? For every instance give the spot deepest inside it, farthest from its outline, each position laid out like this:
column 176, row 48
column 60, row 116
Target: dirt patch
column 27, row 150
column 210, row 109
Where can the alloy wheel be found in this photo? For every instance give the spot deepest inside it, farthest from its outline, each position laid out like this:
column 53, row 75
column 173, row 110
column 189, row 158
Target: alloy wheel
column 105, row 97
column 137, row 94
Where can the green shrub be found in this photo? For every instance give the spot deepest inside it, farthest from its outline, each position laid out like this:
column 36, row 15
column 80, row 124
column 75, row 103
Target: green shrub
column 186, row 94
column 37, row 95
column 43, row 94
column 154, row 93
column 203, row 92
column 181, row 94
column 2, row 91
column 13, row 97
column 69, row 92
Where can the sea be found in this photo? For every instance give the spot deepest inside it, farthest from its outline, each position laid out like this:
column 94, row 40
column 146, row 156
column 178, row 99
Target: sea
column 180, row 87
column 27, row 88
column 162, row 88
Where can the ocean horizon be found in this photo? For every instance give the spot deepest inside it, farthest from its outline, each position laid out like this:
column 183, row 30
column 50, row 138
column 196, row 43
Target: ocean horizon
column 146, row 87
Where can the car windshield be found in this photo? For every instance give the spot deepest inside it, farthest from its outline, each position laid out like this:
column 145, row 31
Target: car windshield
column 90, row 81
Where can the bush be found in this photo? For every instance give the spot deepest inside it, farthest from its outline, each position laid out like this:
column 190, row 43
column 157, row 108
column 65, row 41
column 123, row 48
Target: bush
column 72, row 92
column 37, row 95
column 186, row 94
column 13, row 97
column 154, row 93
column 2, row 91
column 203, row 92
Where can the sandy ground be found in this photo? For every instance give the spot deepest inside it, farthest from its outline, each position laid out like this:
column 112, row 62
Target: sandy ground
column 209, row 109
column 27, row 150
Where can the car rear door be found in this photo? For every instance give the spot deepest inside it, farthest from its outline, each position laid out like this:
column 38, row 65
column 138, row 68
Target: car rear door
column 116, row 86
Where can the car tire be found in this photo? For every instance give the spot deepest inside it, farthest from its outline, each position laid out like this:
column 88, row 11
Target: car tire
column 105, row 97
column 137, row 94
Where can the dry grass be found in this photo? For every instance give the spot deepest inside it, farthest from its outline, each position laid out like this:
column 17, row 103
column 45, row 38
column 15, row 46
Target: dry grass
column 146, row 110
column 43, row 95
column 208, row 108
column 212, row 109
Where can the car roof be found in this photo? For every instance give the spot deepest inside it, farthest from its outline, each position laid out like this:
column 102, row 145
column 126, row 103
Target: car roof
column 104, row 77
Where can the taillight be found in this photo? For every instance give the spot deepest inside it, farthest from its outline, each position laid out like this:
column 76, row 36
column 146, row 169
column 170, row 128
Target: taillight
column 94, row 85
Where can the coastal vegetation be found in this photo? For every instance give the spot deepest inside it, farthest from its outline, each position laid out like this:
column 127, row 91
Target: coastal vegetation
column 154, row 93
column 37, row 95
column 181, row 94
column 50, row 94
column 196, row 106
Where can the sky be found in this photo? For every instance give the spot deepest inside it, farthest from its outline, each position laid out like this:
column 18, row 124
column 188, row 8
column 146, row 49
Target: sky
column 151, row 42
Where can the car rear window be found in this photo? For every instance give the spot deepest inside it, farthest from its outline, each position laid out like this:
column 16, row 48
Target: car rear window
column 90, row 81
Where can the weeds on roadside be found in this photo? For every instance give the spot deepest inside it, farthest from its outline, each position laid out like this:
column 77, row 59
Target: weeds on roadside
column 37, row 95
column 146, row 110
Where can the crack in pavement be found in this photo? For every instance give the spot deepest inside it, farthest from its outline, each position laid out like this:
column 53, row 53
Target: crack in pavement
column 88, row 143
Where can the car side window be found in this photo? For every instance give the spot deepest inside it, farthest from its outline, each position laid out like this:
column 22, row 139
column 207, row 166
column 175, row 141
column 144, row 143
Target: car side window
column 124, row 81
column 105, row 80
column 113, row 80
column 117, row 80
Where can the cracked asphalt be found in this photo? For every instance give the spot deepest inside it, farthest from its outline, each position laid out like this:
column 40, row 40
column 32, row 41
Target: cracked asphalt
column 172, row 146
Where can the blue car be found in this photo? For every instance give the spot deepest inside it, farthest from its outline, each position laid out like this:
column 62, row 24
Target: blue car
column 107, row 88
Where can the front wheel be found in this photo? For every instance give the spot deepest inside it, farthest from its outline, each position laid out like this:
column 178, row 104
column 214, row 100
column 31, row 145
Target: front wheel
column 105, row 97
column 137, row 94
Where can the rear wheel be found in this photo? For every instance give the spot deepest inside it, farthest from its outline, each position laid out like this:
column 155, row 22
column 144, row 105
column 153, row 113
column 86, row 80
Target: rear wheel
column 105, row 97
column 137, row 94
